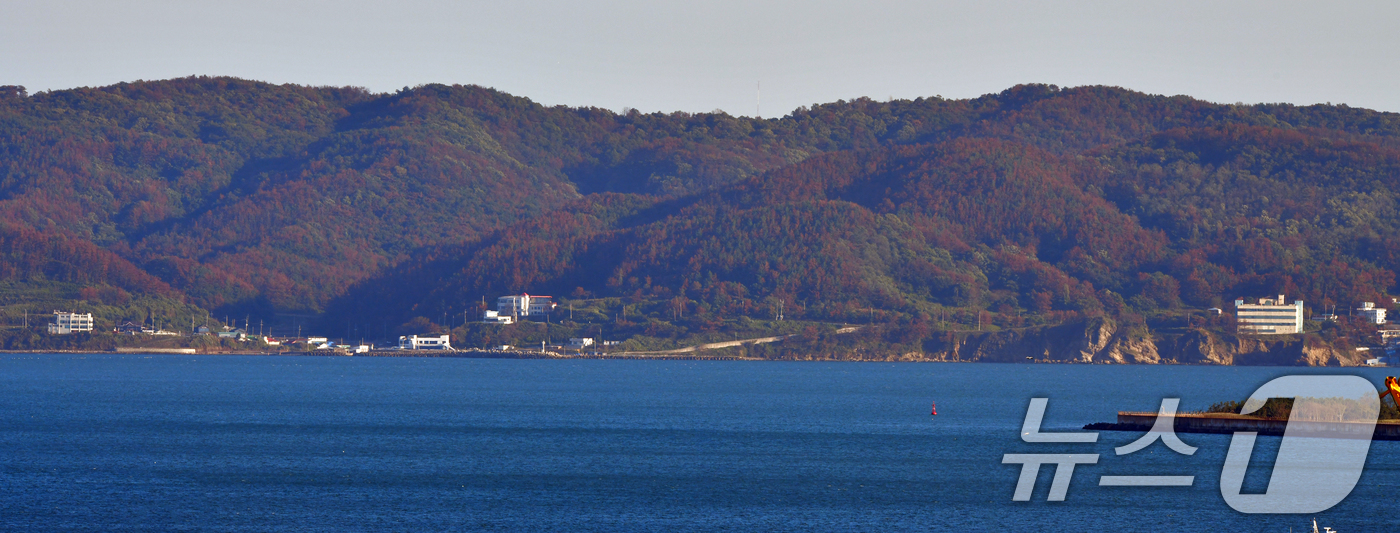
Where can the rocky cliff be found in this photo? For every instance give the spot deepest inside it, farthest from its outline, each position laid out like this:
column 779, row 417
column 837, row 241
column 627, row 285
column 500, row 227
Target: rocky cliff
column 1101, row 340
column 1094, row 341
column 1204, row 347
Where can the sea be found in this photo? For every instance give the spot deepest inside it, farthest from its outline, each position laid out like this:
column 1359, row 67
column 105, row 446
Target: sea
column 289, row 443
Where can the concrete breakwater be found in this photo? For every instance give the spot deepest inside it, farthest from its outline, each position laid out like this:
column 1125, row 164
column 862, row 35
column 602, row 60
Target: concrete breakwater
column 1223, row 423
column 533, row 354
column 123, row 349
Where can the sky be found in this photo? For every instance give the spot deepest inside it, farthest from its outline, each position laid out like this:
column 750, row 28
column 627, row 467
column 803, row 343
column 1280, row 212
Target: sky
column 743, row 57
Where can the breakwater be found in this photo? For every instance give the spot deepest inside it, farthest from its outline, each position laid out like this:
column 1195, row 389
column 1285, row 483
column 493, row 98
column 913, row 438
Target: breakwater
column 532, row 354
column 1223, row 423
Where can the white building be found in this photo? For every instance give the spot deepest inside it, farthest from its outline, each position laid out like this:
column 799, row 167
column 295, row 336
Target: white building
column 516, row 306
column 579, row 343
column 495, row 317
column 1269, row 316
column 1372, row 314
column 424, row 342
column 1389, row 336
column 65, row 323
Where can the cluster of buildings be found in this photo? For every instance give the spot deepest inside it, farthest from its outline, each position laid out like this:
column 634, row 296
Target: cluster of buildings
column 66, row 323
column 509, row 310
column 132, row 328
column 1268, row 316
column 1277, row 316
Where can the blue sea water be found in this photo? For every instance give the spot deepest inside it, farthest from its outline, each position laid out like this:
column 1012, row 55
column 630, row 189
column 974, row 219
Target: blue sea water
column 248, row 443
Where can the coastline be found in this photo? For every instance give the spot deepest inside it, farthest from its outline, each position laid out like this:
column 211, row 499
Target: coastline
column 463, row 354
column 655, row 356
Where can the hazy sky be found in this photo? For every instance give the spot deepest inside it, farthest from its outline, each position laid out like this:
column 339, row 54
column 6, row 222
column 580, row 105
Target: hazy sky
column 699, row 56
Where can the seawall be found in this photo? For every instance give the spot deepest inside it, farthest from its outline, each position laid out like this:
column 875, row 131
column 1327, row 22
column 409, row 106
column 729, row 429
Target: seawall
column 1221, row 423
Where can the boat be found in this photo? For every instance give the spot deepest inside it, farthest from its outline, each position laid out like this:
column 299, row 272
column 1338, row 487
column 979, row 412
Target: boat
column 1324, row 529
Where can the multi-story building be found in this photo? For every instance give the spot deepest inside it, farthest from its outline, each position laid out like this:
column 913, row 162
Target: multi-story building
column 1269, row 316
column 524, row 305
column 65, row 322
column 1372, row 314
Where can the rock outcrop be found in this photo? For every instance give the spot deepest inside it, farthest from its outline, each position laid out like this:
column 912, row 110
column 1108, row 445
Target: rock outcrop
column 1101, row 340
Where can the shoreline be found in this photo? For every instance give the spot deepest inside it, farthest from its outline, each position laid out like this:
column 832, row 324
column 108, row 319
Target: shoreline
column 535, row 354
column 458, row 354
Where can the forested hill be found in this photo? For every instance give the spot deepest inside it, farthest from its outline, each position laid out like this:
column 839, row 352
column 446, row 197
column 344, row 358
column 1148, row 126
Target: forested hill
column 1034, row 205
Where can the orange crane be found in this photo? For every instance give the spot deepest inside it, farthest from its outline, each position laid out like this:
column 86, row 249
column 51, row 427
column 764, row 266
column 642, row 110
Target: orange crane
column 1392, row 389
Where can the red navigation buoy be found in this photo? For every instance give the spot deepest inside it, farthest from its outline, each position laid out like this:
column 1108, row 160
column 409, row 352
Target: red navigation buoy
column 934, row 408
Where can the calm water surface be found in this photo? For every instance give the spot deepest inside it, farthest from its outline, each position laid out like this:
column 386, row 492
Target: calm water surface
column 234, row 443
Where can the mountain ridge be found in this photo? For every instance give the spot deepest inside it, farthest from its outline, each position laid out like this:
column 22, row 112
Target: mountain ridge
column 1031, row 206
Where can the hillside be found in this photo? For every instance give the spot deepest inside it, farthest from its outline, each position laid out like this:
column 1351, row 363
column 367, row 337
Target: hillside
column 1034, row 206
column 934, row 232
